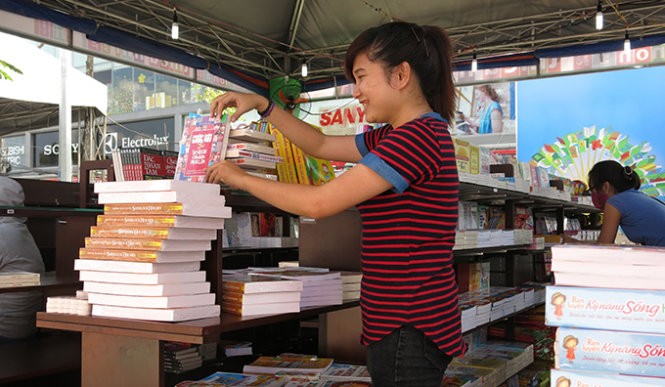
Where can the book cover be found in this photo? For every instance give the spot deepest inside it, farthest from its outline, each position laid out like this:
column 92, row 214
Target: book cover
column 135, row 267
column 286, row 170
column 320, row 171
column 620, row 309
column 180, row 221
column 169, row 289
column 563, row 378
column 173, row 233
column 146, row 244
column 170, row 314
column 288, row 362
column 260, row 309
column 251, row 135
column 242, row 153
column 190, row 209
column 203, row 143
column 142, row 278
column 141, row 255
column 179, row 301
column 300, row 164
column 247, row 283
column 170, row 163
column 151, row 163
column 346, row 372
column 610, row 351
column 221, row 378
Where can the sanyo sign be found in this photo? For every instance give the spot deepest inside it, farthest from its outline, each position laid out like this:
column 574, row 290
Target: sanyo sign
column 338, row 117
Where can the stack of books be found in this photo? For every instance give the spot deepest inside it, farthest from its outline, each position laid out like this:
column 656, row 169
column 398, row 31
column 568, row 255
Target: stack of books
column 289, row 364
column 250, row 149
column 178, row 357
column 607, row 305
column 247, row 294
column 320, row 286
column 77, row 305
column 10, row 279
column 352, row 374
column 351, row 285
column 142, row 259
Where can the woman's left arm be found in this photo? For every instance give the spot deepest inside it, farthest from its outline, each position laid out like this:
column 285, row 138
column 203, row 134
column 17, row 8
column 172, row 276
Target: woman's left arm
column 497, row 121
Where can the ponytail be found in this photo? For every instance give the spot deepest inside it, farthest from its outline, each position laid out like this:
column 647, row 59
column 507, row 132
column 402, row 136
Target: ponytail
column 620, row 177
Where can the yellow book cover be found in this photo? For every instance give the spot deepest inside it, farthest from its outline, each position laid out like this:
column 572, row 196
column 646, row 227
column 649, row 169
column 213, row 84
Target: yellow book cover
column 300, row 165
column 284, row 150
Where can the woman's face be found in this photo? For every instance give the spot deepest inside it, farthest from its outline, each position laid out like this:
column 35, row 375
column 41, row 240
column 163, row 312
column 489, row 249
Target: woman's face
column 373, row 89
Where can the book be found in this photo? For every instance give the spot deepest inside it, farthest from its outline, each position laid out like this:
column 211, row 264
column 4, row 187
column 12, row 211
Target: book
column 203, row 143
column 168, row 289
column 190, row 209
column 236, row 348
column 241, row 153
column 624, row 269
column 610, row 254
column 601, row 379
column 157, row 185
column 221, row 378
column 170, row 314
column 260, row 298
column 290, row 363
column 147, row 244
column 240, row 309
column 151, row 163
column 249, row 283
column 346, row 372
column 142, row 255
column 249, row 146
column 608, row 281
column 250, row 135
column 135, row 267
column 180, row 221
column 255, row 164
column 173, row 233
column 175, row 301
column 633, row 353
column 170, row 163
column 160, row 197
column 141, row 278
column 9, row 279
column 620, row 309
column 68, row 305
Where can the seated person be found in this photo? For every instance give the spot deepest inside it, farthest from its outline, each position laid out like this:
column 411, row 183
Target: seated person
column 18, row 252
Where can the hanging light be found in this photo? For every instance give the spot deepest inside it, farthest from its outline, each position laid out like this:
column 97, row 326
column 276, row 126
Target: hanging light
column 175, row 28
column 304, row 70
column 626, row 43
column 599, row 16
column 474, row 63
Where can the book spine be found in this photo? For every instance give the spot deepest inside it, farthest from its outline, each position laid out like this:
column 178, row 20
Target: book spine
column 155, row 232
column 122, row 243
column 120, row 255
column 143, row 208
column 300, row 165
column 163, row 221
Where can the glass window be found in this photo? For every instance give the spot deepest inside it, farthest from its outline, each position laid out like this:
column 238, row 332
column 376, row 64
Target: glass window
column 12, row 149
column 46, row 149
column 157, row 134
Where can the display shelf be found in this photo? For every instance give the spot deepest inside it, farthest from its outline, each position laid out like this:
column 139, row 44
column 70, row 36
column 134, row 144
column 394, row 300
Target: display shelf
column 46, row 212
column 489, row 249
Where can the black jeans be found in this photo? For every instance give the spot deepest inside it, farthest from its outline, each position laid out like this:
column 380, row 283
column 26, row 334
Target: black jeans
column 406, row 357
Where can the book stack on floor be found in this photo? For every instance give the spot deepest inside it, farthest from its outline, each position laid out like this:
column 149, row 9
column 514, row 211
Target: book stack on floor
column 142, row 259
column 10, row 279
column 489, row 364
column 249, row 294
column 320, row 285
column 607, row 305
column 351, row 285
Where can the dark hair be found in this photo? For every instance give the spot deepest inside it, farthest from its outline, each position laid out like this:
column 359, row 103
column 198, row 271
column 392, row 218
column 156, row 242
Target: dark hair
column 620, row 177
column 489, row 90
column 427, row 49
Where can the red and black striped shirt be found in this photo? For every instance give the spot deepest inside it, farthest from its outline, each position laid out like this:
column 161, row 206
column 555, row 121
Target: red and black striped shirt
column 408, row 234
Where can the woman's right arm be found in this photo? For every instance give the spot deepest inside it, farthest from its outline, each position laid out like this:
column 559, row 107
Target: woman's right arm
column 303, row 135
column 611, row 219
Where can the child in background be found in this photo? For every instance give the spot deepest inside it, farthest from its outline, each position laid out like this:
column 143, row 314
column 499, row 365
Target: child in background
column 405, row 186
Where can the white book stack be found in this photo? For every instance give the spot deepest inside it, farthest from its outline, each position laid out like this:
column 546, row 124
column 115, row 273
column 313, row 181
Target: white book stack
column 320, row 287
column 351, row 285
column 246, row 294
column 251, row 150
column 142, row 259
column 607, row 305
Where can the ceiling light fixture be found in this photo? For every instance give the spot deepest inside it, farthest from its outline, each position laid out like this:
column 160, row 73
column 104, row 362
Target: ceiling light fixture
column 474, row 63
column 304, row 70
column 175, row 28
column 626, row 43
column 599, row 16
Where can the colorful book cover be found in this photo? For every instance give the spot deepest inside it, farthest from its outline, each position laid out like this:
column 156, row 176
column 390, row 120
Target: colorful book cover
column 570, row 378
column 620, row 309
column 610, row 351
column 203, row 143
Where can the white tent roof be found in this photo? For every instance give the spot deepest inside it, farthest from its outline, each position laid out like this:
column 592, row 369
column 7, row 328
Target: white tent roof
column 42, row 77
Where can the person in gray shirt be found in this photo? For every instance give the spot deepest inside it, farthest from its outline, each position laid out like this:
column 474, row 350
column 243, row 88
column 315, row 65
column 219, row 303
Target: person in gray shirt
column 18, row 252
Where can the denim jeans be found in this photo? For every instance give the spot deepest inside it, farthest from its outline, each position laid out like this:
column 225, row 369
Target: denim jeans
column 406, row 357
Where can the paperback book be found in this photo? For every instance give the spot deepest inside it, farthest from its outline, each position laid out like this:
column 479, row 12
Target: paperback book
column 135, row 267
column 168, row 289
column 289, row 363
column 204, row 141
column 170, row 314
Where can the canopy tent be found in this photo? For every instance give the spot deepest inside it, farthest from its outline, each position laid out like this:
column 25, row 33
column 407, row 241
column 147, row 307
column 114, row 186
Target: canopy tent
column 31, row 100
column 250, row 42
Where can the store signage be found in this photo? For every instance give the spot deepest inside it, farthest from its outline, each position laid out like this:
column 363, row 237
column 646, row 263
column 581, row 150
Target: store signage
column 54, row 149
column 13, row 154
column 41, row 30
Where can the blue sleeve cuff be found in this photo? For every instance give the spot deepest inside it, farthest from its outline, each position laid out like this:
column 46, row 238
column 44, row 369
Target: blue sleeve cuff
column 379, row 166
column 360, row 143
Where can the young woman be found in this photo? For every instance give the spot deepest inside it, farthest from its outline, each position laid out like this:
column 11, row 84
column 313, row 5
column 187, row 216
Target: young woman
column 491, row 118
column 614, row 189
column 405, row 186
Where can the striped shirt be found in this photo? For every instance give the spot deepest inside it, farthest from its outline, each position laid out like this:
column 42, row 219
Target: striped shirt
column 408, row 234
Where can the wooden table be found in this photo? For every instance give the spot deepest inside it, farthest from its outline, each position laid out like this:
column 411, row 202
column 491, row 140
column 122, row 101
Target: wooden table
column 121, row 352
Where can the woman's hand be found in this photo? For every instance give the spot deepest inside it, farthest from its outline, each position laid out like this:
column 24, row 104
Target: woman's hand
column 226, row 172
column 241, row 101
